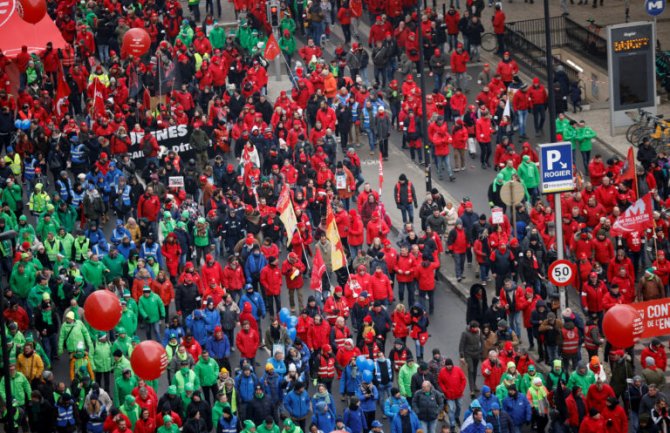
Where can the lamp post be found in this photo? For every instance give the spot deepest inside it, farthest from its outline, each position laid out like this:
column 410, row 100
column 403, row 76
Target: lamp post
column 9, row 405
column 424, row 119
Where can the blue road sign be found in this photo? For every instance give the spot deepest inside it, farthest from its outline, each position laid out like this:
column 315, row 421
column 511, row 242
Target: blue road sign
column 654, row 7
column 556, row 170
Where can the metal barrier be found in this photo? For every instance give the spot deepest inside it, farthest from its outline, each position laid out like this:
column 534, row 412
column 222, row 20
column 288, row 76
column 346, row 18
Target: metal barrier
column 565, row 33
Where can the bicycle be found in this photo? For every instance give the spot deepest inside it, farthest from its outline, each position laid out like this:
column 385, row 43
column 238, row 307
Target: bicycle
column 641, row 127
column 659, row 137
column 490, row 41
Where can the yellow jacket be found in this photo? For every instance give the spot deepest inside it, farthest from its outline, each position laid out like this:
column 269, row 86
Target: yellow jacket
column 32, row 367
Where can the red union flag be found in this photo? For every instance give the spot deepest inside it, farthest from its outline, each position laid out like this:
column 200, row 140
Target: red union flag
column 271, row 48
column 318, row 268
column 287, row 213
column 7, row 8
column 638, row 217
column 62, row 94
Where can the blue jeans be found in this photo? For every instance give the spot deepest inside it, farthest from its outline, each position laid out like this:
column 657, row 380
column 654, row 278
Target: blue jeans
column 453, row 41
column 428, row 426
column 363, row 72
column 515, row 322
column 552, row 353
column 391, row 68
column 633, row 421
column 454, row 411
column 317, row 30
column 443, row 162
column 586, row 157
column 521, row 117
column 372, row 141
column 459, row 262
column 438, row 81
column 407, row 211
column 353, row 250
column 153, row 329
column 103, row 51
column 484, row 271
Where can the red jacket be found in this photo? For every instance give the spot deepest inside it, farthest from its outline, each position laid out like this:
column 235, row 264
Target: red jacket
column 380, row 287
column 483, row 130
column 404, row 268
column 519, row 298
column 538, row 95
column 214, row 272
column 318, row 335
column 451, row 20
column 499, row 22
column 507, row 70
column 459, row 62
column 659, row 356
column 247, row 343
column 356, row 229
column 303, row 327
column 521, row 100
column 400, row 323
column 592, row 296
column 271, row 280
column 425, row 275
column 616, row 420
column 491, row 373
column 148, row 207
column 452, row 382
column 614, row 265
column 288, row 269
column 591, row 425
column 596, row 398
column 233, row 279
column 573, row 412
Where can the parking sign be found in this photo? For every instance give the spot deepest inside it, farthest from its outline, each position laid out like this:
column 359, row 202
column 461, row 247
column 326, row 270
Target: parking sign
column 556, row 171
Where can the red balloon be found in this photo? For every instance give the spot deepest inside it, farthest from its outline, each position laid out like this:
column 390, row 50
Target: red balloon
column 102, row 310
column 31, row 11
column 136, row 42
column 149, row 360
column 622, row 326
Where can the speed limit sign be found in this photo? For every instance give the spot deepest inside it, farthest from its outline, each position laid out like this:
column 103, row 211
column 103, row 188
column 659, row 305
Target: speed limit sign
column 561, row 273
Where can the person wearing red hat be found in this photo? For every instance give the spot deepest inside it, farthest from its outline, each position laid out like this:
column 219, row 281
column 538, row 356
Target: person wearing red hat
column 538, row 98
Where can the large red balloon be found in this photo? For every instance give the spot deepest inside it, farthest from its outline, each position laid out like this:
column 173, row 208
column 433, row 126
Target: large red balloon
column 136, row 42
column 102, row 310
column 31, row 11
column 149, row 360
column 622, row 326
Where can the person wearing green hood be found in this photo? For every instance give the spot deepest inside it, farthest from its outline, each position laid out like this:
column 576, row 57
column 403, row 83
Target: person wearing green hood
column 185, row 376
column 556, row 375
column 128, row 318
column 185, row 33
column 152, row 312
column 47, row 224
column 19, row 385
column 166, row 226
column 26, row 231
column 168, row 426
column 38, row 200
column 584, row 137
column 36, row 294
column 12, row 195
column 66, row 241
column 72, row 333
column 290, row 427
column 123, row 386
column 530, row 176
column 509, row 378
column 249, row 426
column 22, row 280
column 67, row 215
column 207, row 371
column 187, row 394
column 130, row 302
column 494, row 192
column 217, row 36
column 81, row 246
column 582, row 377
column 405, row 376
column 268, row 426
column 130, row 409
column 94, row 271
column 102, row 360
column 115, row 264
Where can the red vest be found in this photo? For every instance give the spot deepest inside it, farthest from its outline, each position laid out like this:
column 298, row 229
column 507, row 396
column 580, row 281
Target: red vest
column 326, row 367
column 570, row 341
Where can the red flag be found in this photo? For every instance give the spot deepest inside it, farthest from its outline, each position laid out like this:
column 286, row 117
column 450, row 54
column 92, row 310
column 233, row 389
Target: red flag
column 637, row 218
column 98, row 98
column 318, row 268
column 271, row 48
column 62, row 93
column 628, row 171
column 381, row 173
column 146, row 99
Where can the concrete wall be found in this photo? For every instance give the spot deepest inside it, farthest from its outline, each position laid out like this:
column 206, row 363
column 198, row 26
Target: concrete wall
column 595, row 79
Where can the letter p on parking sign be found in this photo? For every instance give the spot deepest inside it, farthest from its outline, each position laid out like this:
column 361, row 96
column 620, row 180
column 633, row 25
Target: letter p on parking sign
column 556, row 167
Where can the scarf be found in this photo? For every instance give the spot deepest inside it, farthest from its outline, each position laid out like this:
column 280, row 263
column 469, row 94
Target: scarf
column 323, row 396
column 47, row 317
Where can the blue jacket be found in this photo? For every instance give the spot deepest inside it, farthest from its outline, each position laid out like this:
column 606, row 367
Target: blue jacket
column 518, row 409
column 392, row 406
column 246, row 386
column 348, row 382
column 257, row 304
column 476, row 427
column 218, row 349
column 502, row 423
column 368, row 404
column 316, row 400
column 297, row 405
column 355, row 420
column 125, row 250
column 212, row 319
column 254, row 265
column 486, row 402
column 95, row 236
column 280, row 366
column 396, row 423
column 195, row 322
column 118, row 233
column 227, row 426
column 324, row 419
column 272, row 387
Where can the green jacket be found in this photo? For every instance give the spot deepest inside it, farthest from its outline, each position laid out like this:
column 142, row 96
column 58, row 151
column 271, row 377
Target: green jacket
column 102, row 357
column 529, row 173
column 151, row 308
column 584, row 382
column 35, row 295
column 526, row 382
column 207, row 371
column 287, row 45
column 68, row 218
column 507, row 173
column 124, row 344
column 12, row 195
column 21, row 284
column 263, row 429
column 584, row 137
column 217, row 37
column 186, row 35
column 172, row 429
column 405, row 379
column 72, row 334
column 287, row 23
column 44, row 227
column 132, row 411
column 184, row 376
column 94, row 273
column 129, row 320
column 561, row 125
column 66, row 242
column 119, row 366
column 122, row 388
column 115, row 265
column 570, row 134
column 20, row 389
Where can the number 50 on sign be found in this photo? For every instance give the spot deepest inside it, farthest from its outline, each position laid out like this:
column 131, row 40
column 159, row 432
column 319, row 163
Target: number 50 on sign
column 561, row 273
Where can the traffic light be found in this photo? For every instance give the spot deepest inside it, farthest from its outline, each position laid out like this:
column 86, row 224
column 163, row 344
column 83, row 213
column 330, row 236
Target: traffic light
column 274, row 14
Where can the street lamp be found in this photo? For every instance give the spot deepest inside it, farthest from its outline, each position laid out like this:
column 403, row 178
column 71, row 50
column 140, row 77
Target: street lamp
column 424, row 118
